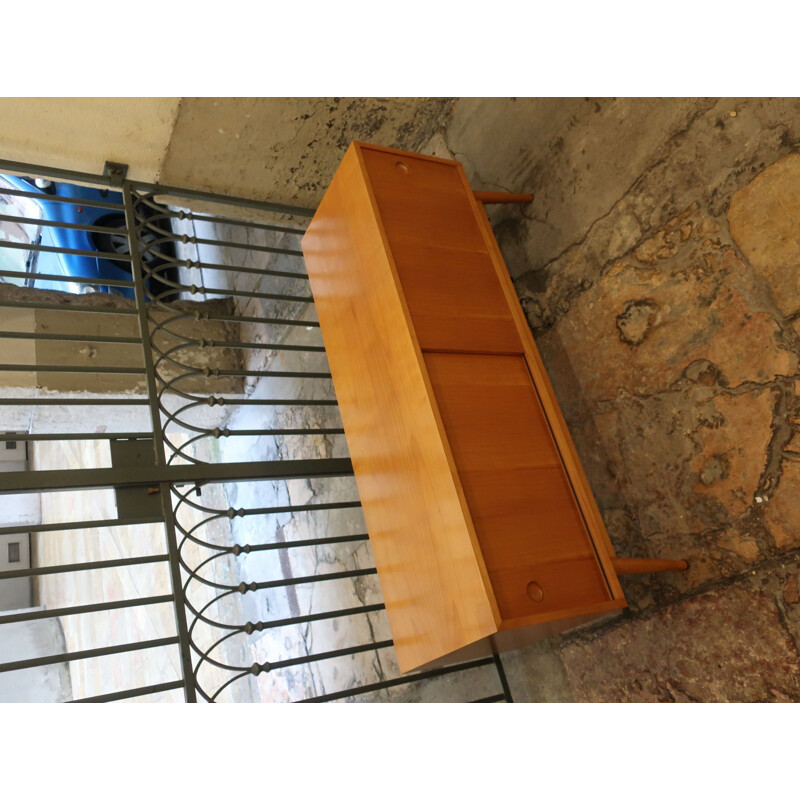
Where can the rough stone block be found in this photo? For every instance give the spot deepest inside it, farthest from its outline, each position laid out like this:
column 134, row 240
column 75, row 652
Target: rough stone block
column 649, row 318
column 764, row 218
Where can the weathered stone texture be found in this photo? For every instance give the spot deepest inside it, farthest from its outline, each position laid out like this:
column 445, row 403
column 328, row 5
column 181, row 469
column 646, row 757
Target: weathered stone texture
column 782, row 513
column 537, row 674
column 764, row 219
column 727, row 645
column 666, row 368
column 580, row 157
column 285, row 149
column 705, row 160
column 680, row 298
column 666, row 307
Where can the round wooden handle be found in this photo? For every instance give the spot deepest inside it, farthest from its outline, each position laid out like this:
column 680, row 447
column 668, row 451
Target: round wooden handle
column 535, row 592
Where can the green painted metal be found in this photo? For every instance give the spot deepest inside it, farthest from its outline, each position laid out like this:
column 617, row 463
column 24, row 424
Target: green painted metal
column 74, row 176
column 83, row 566
column 91, row 608
column 126, row 695
column 54, row 480
column 63, row 658
column 46, row 248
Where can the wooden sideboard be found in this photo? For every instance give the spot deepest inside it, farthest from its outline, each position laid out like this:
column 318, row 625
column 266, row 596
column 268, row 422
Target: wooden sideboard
column 483, row 527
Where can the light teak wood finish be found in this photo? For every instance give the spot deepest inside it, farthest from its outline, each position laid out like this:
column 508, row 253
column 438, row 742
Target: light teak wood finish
column 483, row 527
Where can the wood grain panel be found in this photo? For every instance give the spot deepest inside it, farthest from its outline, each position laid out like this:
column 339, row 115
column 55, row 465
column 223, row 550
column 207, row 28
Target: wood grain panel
column 525, row 516
column 524, row 511
column 470, row 483
column 574, row 468
column 423, row 201
column 564, row 585
column 490, row 412
column 437, row 591
column 393, row 171
column 455, row 300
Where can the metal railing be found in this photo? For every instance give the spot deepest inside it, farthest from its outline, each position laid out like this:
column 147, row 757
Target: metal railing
column 196, row 429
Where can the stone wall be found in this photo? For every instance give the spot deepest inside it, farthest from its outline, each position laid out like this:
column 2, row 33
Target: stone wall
column 659, row 268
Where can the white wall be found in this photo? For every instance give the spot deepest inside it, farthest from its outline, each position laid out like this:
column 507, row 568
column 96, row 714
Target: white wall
column 33, row 639
column 82, row 133
column 15, row 510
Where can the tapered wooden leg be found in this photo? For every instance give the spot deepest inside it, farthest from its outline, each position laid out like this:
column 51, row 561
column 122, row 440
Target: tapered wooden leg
column 634, row 566
column 502, row 197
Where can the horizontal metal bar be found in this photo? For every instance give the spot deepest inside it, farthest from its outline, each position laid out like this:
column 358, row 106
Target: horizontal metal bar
column 345, row 651
column 74, row 176
column 374, row 687
column 83, row 566
column 221, row 401
column 255, row 373
column 65, row 306
column 195, row 194
column 56, row 173
column 137, row 475
column 46, row 248
column 144, row 690
column 278, row 432
column 40, row 196
column 239, row 223
column 204, row 290
column 49, row 613
column 59, row 437
column 48, row 223
column 77, row 526
column 73, row 337
column 96, row 370
column 329, row 576
column 277, row 273
column 263, row 320
column 320, row 617
column 65, row 401
column 290, row 509
column 66, row 278
column 12, row 666
column 292, row 348
column 259, row 248
column 260, row 548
